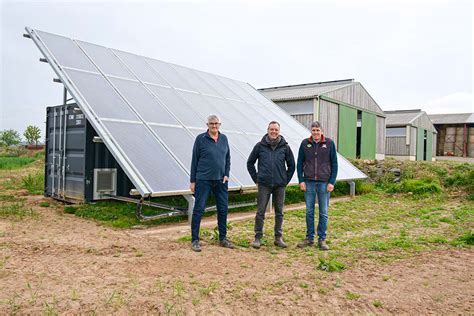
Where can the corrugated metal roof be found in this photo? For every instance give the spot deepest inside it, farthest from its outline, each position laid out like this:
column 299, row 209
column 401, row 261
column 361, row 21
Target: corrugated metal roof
column 457, row 118
column 304, row 91
column 400, row 118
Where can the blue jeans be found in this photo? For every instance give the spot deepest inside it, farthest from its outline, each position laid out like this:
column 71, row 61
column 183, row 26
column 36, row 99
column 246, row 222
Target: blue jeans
column 203, row 190
column 316, row 189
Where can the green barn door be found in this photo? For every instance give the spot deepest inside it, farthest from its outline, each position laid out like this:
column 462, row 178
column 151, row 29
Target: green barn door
column 347, row 132
column 420, row 142
column 429, row 145
column 368, row 137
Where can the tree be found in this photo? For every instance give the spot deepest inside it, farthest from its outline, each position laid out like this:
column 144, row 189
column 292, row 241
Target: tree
column 10, row 137
column 32, row 134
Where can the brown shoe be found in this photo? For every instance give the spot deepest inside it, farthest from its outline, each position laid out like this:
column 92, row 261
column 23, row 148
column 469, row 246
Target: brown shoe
column 305, row 243
column 279, row 242
column 322, row 245
column 256, row 243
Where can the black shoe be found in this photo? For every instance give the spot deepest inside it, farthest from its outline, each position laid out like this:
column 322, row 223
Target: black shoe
column 226, row 244
column 195, row 246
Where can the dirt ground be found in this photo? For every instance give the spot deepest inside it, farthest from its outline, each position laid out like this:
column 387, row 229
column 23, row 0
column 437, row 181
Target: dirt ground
column 59, row 263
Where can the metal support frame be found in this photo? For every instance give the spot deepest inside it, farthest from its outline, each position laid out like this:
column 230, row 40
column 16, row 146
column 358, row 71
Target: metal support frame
column 191, row 200
column 352, row 188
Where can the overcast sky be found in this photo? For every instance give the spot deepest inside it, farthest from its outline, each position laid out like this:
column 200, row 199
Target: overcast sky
column 407, row 54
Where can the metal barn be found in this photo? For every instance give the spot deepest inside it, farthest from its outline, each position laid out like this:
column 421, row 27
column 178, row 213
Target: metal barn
column 455, row 134
column 347, row 112
column 128, row 128
column 410, row 135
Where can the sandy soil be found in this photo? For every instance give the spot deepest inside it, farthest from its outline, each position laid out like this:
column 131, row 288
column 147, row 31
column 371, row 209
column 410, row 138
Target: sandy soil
column 58, row 263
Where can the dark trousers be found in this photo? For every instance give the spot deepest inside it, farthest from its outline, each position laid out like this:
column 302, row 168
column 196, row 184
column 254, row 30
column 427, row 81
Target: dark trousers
column 203, row 190
column 263, row 197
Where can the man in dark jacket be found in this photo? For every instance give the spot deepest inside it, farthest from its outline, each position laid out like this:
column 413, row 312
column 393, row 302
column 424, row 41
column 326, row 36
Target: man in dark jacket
column 276, row 166
column 210, row 168
column 317, row 171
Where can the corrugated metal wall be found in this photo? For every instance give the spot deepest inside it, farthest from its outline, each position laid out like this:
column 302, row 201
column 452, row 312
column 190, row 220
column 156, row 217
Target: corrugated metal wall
column 329, row 118
column 305, row 119
column 297, row 107
column 355, row 95
column 396, row 146
column 380, row 135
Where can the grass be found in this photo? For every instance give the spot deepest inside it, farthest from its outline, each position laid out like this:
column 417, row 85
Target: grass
column 16, row 211
column 376, row 226
column 11, row 163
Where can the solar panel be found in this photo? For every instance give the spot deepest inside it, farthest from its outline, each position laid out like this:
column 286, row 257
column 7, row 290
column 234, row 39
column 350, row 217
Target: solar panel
column 148, row 112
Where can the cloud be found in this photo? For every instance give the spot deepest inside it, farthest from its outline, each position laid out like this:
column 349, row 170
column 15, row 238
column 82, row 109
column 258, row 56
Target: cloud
column 458, row 102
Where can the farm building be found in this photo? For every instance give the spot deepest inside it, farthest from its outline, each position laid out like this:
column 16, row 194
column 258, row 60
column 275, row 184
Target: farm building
column 455, row 134
column 347, row 112
column 128, row 128
column 410, row 135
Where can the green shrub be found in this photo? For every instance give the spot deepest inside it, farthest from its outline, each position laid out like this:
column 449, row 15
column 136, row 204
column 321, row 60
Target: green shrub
column 417, row 186
column 330, row 265
column 34, row 183
column 364, row 187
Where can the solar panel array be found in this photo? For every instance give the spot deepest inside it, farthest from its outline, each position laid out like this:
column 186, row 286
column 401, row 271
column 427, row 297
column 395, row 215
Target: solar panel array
column 148, row 112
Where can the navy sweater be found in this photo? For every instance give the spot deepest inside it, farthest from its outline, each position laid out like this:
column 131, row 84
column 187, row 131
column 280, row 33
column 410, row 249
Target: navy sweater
column 211, row 159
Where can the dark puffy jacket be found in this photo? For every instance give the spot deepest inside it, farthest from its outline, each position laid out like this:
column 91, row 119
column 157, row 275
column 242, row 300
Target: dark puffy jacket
column 317, row 161
column 275, row 167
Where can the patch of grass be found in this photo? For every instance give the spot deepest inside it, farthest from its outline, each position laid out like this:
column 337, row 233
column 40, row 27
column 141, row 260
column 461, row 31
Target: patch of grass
column 185, row 238
column 466, row 239
column 418, row 186
column 34, row 183
column 44, row 204
column 377, row 303
column 330, row 265
column 10, row 163
column 378, row 246
column 16, row 211
column 352, row 296
column 206, row 291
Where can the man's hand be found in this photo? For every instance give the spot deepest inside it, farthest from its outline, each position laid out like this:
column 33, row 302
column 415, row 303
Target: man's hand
column 303, row 186
column 192, row 186
column 330, row 187
column 226, row 179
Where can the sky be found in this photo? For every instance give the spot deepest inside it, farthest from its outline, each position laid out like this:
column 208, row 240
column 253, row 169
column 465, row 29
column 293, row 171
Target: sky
column 407, row 54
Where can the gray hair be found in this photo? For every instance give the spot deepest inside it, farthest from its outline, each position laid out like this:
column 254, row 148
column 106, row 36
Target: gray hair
column 213, row 117
column 315, row 124
column 273, row 122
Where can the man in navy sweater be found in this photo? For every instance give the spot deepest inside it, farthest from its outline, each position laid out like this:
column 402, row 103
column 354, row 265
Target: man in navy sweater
column 317, row 171
column 210, row 168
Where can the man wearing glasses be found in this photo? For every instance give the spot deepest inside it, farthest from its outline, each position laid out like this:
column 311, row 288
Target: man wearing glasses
column 210, row 167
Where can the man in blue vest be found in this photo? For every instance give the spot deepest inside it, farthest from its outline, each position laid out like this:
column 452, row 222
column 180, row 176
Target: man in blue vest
column 317, row 171
column 276, row 166
column 210, row 168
